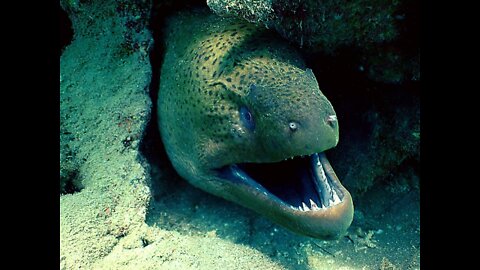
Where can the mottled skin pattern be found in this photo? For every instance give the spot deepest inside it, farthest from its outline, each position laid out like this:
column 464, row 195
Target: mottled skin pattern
column 213, row 67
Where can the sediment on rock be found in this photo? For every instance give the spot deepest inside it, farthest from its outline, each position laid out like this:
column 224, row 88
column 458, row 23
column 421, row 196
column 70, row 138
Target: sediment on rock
column 104, row 108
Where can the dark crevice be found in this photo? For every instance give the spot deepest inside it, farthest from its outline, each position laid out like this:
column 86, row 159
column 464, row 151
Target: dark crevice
column 405, row 174
column 152, row 147
column 66, row 30
column 357, row 99
column 71, row 183
column 145, row 242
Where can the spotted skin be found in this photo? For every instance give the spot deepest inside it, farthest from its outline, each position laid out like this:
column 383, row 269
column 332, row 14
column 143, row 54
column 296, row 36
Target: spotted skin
column 216, row 69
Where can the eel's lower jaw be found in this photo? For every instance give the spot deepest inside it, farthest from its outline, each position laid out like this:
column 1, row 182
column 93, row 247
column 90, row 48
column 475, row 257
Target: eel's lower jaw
column 320, row 206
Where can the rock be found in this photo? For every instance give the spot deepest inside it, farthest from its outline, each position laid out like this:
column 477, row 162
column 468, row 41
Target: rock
column 329, row 26
column 319, row 25
column 255, row 11
column 104, row 85
column 104, row 108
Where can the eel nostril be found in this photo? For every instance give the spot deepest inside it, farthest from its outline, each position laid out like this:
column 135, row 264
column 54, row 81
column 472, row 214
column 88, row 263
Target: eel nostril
column 293, row 126
column 331, row 120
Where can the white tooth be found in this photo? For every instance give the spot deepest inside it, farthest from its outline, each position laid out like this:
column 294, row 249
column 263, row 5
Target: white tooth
column 332, row 118
column 320, row 170
column 313, row 204
column 336, row 199
column 322, row 173
column 330, row 201
column 300, row 208
column 305, row 207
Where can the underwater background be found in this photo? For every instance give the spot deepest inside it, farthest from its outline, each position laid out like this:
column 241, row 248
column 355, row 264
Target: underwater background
column 122, row 206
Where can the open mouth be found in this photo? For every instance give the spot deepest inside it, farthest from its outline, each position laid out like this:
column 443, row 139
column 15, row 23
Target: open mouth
column 302, row 183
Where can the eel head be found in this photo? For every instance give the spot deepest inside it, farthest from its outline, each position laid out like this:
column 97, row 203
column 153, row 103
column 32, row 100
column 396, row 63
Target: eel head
column 275, row 162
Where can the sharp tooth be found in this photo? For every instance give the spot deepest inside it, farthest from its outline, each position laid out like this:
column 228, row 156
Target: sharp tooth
column 305, row 207
column 320, row 168
column 300, row 208
column 336, row 199
column 321, row 183
column 317, row 160
column 313, row 204
column 322, row 172
column 332, row 118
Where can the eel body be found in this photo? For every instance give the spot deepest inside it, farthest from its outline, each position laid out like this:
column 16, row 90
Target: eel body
column 243, row 118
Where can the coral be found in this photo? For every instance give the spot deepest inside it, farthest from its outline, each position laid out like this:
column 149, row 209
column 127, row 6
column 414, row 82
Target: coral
column 362, row 240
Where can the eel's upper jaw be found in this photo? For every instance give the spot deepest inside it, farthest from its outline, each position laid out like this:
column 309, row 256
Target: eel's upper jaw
column 301, row 193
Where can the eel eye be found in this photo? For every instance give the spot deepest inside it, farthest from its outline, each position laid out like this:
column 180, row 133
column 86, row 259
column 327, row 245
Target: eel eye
column 247, row 118
column 293, row 126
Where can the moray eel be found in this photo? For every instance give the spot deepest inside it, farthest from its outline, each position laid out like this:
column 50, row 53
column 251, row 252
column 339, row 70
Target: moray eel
column 242, row 117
